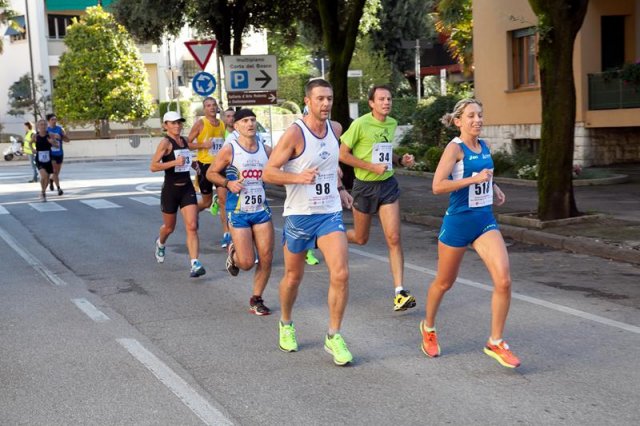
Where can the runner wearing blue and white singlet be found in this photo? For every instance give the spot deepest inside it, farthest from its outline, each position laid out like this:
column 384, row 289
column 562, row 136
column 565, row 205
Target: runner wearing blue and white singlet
column 465, row 171
column 238, row 168
column 305, row 161
column 249, row 206
column 470, row 212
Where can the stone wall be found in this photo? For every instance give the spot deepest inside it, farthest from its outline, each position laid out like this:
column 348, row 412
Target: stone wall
column 593, row 146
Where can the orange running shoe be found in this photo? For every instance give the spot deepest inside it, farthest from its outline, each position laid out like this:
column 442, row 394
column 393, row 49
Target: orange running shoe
column 430, row 345
column 502, row 354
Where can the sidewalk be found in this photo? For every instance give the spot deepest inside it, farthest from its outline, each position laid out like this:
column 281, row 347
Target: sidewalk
column 615, row 235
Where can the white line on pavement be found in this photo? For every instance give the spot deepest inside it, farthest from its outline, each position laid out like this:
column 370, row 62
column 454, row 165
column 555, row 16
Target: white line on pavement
column 100, row 204
column 176, row 384
column 31, row 260
column 518, row 296
column 90, row 310
column 3, row 210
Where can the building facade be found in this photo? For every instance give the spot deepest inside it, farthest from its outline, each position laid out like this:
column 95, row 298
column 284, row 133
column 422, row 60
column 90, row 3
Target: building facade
column 507, row 80
column 170, row 67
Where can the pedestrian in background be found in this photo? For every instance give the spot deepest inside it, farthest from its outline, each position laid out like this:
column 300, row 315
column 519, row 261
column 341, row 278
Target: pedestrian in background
column 465, row 171
column 28, row 147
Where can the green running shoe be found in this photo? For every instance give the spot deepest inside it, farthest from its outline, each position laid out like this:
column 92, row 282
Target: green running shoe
column 311, row 259
column 214, row 206
column 288, row 342
column 338, row 348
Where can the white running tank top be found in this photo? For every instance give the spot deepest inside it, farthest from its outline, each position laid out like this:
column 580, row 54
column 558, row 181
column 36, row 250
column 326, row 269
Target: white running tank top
column 321, row 197
column 248, row 166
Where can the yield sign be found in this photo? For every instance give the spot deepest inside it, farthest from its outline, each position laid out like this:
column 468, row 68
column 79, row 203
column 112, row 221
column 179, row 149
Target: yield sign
column 201, row 50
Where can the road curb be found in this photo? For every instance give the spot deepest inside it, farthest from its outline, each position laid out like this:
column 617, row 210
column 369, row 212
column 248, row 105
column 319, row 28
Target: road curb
column 580, row 245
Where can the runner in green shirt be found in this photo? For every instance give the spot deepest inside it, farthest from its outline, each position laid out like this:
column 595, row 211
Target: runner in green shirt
column 367, row 147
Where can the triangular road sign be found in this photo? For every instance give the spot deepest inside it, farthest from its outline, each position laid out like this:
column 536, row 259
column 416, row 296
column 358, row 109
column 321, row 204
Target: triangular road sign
column 201, row 50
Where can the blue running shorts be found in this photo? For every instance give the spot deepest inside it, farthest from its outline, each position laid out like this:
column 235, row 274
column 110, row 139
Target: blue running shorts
column 462, row 229
column 247, row 220
column 301, row 232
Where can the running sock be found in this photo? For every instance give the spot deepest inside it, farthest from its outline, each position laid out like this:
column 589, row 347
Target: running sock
column 159, row 243
column 193, row 261
column 495, row 342
column 332, row 333
column 429, row 329
column 286, row 322
column 399, row 289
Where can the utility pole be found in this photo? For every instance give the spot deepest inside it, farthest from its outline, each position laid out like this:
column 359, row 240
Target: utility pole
column 33, row 77
column 418, row 74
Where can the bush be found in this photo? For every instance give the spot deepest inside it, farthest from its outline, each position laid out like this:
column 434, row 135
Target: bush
column 291, row 107
column 402, row 109
column 432, row 157
column 503, row 163
column 291, row 87
column 528, row 172
column 426, row 121
column 185, row 108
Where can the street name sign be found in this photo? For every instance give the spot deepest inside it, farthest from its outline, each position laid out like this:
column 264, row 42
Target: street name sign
column 252, row 98
column 201, row 50
column 250, row 73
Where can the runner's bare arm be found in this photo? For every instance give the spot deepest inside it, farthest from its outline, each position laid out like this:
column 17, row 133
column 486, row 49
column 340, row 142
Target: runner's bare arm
column 164, row 148
column 290, row 145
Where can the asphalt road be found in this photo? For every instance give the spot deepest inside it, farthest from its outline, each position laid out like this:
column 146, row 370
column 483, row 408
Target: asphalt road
column 93, row 331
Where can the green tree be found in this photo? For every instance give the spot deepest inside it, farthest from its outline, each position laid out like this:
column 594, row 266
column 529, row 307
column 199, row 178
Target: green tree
column 6, row 18
column 402, row 21
column 454, row 18
column 21, row 100
column 294, row 66
column 558, row 24
column 101, row 76
column 376, row 68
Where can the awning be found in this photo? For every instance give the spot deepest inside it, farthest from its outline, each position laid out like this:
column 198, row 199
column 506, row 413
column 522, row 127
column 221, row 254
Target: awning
column 60, row 5
column 12, row 31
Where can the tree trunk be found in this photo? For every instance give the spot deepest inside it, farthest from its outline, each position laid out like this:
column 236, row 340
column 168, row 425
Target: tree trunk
column 558, row 24
column 339, row 33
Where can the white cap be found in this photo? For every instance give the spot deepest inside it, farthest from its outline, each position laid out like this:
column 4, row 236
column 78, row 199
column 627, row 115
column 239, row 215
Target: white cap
column 172, row 116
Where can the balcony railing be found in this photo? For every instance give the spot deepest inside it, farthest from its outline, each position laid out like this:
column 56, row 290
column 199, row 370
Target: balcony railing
column 611, row 92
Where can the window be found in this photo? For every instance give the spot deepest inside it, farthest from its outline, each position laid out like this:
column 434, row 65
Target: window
column 527, row 146
column 525, row 65
column 612, row 42
column 189, row 69
column 58, row 25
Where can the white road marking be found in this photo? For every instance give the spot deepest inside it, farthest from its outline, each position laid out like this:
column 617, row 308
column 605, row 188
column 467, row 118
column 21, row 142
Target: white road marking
column 3, row 210
column 518, row 296
column 90, row 310
column 176, row 384
column 49, row 206
column 31, row 260
column 100, row 204
column 149, row 201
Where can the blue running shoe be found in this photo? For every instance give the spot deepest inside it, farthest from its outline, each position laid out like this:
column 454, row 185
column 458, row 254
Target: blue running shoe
column 197, row 270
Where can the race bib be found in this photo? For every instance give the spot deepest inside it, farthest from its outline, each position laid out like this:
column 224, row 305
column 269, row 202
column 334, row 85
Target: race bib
column 44, row 156
column 216, row 144
column 321, row 192
column 481, row 194
column 187, row 160
column 383, row 154
column 252, row 196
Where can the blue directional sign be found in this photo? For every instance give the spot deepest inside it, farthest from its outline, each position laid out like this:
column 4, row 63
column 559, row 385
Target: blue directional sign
column 204, row 83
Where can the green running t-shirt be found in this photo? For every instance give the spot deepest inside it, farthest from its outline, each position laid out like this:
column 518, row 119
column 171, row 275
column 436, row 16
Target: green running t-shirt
column 370, row 140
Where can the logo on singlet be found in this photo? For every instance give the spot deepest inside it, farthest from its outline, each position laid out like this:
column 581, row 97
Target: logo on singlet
column 324, row 155
column 256, row 174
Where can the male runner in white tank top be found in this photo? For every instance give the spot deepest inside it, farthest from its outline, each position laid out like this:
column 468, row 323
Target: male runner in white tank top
column 306, row 162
